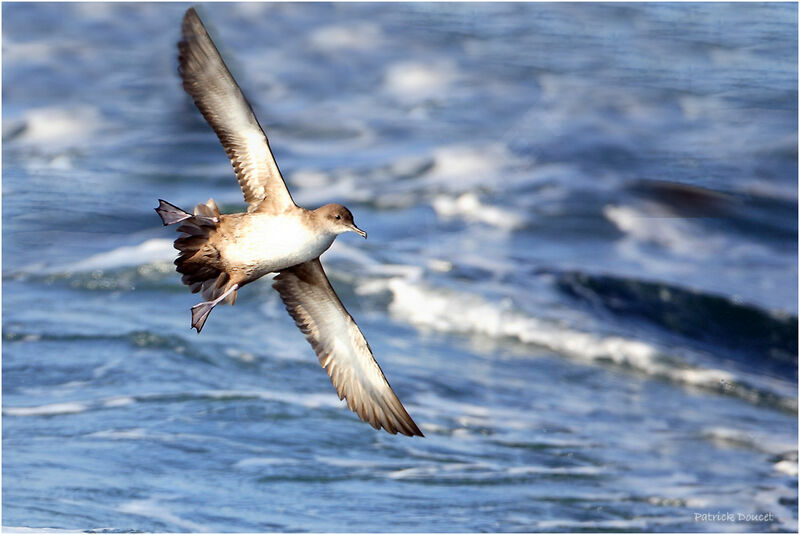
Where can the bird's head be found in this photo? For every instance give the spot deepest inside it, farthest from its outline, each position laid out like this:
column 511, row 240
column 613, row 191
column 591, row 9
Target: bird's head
column 338, row 219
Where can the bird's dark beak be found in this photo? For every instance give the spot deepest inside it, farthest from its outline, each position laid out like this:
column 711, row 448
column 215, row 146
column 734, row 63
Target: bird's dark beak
column 359, row 231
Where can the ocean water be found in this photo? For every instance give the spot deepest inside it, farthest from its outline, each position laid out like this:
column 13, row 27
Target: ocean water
column 580, row 277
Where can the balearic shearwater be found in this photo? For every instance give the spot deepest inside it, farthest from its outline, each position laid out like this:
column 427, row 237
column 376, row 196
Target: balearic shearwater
column 220, row 253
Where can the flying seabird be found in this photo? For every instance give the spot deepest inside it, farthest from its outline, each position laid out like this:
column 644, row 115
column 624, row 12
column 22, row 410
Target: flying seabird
column 220, row 253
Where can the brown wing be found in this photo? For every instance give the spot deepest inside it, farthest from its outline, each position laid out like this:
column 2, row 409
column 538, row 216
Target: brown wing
column 219, row 99
column 341, row 347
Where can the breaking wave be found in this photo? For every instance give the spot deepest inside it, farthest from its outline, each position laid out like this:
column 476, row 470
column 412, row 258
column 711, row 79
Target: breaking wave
column 449, row 311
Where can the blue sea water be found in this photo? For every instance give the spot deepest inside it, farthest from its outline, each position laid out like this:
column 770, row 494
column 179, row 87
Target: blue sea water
column 580, row 277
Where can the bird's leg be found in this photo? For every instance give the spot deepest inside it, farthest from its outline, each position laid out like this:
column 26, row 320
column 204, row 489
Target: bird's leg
column 201, row 311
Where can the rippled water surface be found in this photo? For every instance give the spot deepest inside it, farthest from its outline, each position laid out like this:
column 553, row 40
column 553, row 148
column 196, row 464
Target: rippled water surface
column 580, row 278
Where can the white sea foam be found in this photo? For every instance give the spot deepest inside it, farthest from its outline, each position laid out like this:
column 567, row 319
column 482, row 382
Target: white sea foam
column 308, row 400
column 469, row 207
column 313, row 188
column 310, row 178
column 139, row 433
column 152, row 251
column 781, row 500
column 646, row 225
column 255, row 462
column 555, row 470
column 244, row 356
column 654, row 226
column 438, row 470
column 452, row 171
column 411, row 81
column 787, row 464
column 52, row 409
column 350, row 463
column 30, row 52
column 753, row 440
column 252, row 10
column 446, row 310
column 343, row 249
column 486, row 470
column 100, row 12
column 124, row 434
column 155, row 510
column 786, row 190
column 14, row 529
column 472, row 165
column 58, row 128
column 119, row 401
column 466, row 423
column 69, row 407
column 311, row 401
column 357, row 36
column 593, row 525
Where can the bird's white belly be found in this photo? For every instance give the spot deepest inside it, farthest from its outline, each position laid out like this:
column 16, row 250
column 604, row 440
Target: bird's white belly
column 271, row 243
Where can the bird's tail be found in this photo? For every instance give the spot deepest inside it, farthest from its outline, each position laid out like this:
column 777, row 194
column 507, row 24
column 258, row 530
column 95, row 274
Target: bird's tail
column 194, row 260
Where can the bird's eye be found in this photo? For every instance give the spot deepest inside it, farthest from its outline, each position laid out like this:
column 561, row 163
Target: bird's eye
column 338, row 217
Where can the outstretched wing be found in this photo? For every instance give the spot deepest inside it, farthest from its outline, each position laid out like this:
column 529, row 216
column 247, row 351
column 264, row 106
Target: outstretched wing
column 341, row 347
column 219, row 99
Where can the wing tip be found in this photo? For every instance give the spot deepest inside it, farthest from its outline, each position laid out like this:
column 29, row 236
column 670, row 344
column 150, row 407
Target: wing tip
column 409, row 428
column 413, row 432
column 192, row 25
column 191, row 17
column 395, row 419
